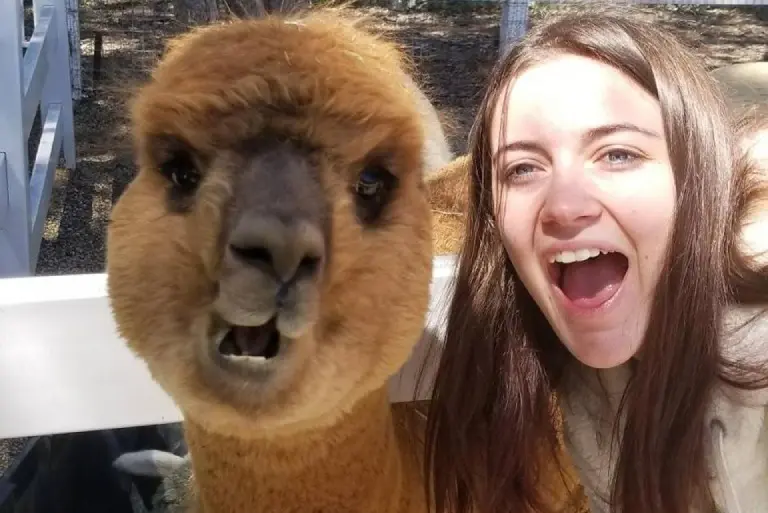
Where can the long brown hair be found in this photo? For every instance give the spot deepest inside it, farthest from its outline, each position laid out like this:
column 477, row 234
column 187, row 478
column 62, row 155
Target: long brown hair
column 492, row 416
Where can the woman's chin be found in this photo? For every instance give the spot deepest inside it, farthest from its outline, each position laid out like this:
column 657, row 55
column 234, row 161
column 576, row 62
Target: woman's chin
column 603, row 350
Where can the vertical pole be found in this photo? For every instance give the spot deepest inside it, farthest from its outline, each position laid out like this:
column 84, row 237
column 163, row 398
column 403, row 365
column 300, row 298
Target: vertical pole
column 14, row 226
column 58, row 84
column 20, row 14
column 97, row 50
column 514, row 23
column 73, row 28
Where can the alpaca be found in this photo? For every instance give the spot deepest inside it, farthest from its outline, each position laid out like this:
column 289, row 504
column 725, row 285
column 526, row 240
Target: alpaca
column 271, row 262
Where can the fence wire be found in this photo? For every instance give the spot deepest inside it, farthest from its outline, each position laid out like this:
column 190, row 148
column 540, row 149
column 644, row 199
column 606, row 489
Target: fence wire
column 121, row 38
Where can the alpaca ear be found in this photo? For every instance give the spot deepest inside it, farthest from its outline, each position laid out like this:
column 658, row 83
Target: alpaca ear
column 448, row 191
column 448, row 185
column 457, row 168
column 150, row 463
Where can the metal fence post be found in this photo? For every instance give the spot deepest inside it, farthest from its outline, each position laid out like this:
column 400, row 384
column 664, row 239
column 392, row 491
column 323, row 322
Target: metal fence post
column 14, row 225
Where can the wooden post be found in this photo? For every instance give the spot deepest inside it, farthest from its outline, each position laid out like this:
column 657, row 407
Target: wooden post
column 514, row 23
column 97, row 50
column 73, row 29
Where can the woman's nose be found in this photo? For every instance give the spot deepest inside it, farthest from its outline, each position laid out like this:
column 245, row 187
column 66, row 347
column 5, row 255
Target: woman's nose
column 570, row 201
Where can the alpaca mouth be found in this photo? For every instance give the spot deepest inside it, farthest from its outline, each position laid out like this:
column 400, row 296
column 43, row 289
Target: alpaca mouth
column 253, row 343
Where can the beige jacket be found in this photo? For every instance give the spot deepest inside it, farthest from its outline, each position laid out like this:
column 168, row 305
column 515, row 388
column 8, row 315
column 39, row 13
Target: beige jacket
column 736, row 422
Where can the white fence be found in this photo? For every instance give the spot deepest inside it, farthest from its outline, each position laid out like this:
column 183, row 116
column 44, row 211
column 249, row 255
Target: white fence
column 64, row 369
column 34, row 75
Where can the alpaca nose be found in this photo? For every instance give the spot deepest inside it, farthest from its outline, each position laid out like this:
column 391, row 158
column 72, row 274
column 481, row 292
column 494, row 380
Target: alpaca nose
column 276, row 228
column 285, row 249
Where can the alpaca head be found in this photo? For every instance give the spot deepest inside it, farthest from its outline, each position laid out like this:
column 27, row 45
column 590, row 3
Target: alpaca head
column 271, row 259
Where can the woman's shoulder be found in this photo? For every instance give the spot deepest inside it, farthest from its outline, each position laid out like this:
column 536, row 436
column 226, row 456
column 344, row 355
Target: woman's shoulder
column 745, row 333
column 745, row 344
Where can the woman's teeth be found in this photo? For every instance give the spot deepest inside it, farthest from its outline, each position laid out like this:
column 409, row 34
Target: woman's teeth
column 567, row 257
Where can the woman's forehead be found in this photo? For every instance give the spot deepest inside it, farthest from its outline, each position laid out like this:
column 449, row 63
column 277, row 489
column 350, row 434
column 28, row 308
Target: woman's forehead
column 569, row 95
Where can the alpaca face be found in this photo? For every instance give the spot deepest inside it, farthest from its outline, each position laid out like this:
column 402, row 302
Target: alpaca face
column 271, row 259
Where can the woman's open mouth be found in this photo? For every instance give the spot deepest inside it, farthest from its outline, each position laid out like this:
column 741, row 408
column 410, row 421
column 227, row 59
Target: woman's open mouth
column 588, row 278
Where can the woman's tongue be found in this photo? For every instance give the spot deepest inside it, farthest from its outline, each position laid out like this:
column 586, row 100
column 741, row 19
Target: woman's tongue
column 594, row 281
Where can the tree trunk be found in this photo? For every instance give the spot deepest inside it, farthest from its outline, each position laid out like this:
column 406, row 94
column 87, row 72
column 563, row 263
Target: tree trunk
column 194, row 12
column 254, row 8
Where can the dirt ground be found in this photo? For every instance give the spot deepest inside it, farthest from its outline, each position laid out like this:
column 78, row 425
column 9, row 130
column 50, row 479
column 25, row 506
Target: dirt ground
column 453, row 47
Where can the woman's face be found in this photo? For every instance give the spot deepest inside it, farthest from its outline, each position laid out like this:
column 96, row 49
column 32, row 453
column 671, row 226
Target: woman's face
column 585, row 197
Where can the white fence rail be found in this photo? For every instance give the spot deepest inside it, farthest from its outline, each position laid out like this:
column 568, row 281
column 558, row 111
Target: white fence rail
column 34, row 75
column 64, row 369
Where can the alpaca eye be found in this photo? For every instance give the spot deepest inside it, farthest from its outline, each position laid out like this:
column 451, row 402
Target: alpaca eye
column 372, row 190
column 370, row 183
column 181, row 171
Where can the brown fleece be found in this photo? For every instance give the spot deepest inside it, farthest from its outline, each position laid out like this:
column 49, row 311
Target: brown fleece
column 355, row 466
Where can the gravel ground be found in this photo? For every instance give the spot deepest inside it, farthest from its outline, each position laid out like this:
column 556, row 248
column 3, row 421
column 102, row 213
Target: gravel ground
column 8, row 450
column 454, row 49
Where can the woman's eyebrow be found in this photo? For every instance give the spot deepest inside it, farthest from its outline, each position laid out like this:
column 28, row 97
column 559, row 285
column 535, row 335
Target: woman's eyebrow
column 589, row 136
column 604, row 130
column 531, row 146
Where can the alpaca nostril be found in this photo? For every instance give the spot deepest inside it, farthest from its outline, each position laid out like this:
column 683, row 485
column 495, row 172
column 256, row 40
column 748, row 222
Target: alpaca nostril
column 253, row 255
column 286, row 250
column 309, row 264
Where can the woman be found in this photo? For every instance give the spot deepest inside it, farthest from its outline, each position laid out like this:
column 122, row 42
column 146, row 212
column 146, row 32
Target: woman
column 602, row 265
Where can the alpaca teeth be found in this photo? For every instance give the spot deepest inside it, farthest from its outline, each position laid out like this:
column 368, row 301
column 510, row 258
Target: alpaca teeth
column 245, row 358
column 567, row 257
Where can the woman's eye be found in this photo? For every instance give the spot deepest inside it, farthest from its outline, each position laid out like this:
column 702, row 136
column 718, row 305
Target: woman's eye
column 519, row 171
column 523, row 169
column 619, row 157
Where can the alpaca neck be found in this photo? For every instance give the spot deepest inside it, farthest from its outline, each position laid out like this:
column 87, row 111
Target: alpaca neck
column 353, row 466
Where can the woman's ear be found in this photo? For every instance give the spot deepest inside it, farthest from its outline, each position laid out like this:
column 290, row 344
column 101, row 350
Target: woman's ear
column 448, row 196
